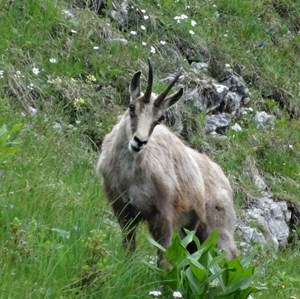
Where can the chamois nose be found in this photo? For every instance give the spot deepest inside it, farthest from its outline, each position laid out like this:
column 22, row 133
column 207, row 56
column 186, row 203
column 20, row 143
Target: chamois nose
column 138, row 144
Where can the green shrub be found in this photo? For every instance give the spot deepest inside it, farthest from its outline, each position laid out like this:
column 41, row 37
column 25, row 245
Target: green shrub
column 206, row 273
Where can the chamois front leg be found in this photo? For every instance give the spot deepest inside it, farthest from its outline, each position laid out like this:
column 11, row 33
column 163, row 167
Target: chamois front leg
column 128, row 220
column 161, row 230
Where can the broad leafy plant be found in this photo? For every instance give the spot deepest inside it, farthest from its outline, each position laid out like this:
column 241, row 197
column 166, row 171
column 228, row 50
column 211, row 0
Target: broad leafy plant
column 206, row 273
column 8, row 146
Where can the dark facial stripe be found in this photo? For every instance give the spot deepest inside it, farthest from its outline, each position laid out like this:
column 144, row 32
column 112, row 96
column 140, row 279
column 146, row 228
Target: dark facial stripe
column 152, row 127
column 134, row 123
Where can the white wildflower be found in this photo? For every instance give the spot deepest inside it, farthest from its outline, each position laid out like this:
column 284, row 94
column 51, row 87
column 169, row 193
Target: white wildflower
column 225, row 35
column 1, row 74
column 146, row 17
column 32, row 110
column 155, row 293
column 163, row 42
column 73, row 31
column 53, row 60
column 30, row 86
column 133, row 32
column 182, row 17
column 177, row 294
column 144, row 44
column 290, row 146
column 18, row 74
column 96, row 48
column 152, row 50
column 193, row 23
column 35, row 70
column 227, row 65
column 67, row 13
column 62, row 233
column 191, row 32
column 56, row 126
column 214, row 5
column 143, row 10
column 143, row 27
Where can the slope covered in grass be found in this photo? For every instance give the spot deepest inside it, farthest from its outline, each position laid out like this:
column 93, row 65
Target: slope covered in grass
column 64, row 74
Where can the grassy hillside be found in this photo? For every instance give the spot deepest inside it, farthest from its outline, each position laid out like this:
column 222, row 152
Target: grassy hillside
column 64, row 74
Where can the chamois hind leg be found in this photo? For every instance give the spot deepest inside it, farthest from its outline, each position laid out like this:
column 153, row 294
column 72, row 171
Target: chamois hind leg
column 161, row 229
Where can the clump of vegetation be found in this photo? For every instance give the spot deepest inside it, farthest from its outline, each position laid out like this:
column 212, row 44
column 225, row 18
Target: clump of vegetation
column 205, row 273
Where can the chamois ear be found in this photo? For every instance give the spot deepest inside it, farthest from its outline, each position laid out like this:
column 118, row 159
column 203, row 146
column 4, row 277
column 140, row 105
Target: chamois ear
column 135, row 86
column 172, row 99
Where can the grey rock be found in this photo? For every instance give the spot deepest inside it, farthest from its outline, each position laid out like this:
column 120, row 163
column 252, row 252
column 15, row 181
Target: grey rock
column 259, row 182
column 119, row 13
column 221, row 90
column 250, row 170
column 207, row 96
column 279, row 230
column 273, row 217
column 263, row 120
column 217, row 122
column 200, row 66
column 236, row 85
column 251, row 235
column 233, row 103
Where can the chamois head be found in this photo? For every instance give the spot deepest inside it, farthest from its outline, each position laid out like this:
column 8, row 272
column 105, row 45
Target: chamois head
column 146, row 110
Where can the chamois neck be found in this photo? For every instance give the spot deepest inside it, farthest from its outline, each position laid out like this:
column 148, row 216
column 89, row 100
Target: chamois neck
column 121, row 139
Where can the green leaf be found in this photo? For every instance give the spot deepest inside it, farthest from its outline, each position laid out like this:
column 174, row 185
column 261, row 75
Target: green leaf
column 176, row 253
column 156, row 244
column 235, row 272
column 188, row 238
column 199, row 271
column 16, row 128
column 4, row 135
column 210, row 245
column 194, row 284
column 211, row 241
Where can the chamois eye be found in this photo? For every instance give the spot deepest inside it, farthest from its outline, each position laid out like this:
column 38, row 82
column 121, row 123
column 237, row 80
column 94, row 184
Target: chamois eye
column 131, row 109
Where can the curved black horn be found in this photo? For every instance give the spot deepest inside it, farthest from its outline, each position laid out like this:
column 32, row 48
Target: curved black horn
column 147, row 95
column 163, row 95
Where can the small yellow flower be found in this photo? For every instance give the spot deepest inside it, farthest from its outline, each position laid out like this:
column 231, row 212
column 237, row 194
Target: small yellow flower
column 283, row 286
column 91, row 78
column 57, row 80
column 79, row 102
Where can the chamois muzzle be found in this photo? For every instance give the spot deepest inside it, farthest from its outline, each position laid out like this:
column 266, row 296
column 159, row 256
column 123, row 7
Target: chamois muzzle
column 137, row 145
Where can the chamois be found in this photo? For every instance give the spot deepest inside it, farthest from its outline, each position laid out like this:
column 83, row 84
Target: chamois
column 149, row 174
